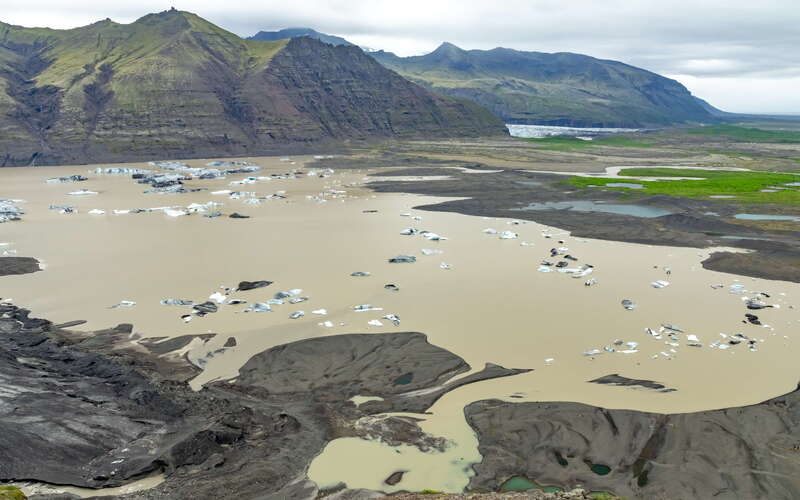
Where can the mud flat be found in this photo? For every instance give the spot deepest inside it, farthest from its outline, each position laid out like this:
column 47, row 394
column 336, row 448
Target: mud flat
column 480, row 299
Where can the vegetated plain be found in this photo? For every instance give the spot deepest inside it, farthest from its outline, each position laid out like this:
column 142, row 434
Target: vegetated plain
column 746, row 187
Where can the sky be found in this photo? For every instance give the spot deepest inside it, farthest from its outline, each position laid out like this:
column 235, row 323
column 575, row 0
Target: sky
column 740, row 55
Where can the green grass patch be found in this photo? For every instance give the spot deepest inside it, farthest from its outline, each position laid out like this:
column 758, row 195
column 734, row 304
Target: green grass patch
column 565, row 143
column 744, row 186
column 430, row 492
column 745, row 134
column 11, row 493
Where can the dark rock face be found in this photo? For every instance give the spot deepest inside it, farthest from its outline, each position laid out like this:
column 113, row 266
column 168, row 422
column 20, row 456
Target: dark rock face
column 749, row 452
column 222, row 95
column 18, row 265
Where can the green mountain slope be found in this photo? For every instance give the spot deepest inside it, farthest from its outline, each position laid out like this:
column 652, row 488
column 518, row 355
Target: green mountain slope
column 552, row 89
column 172, row 84
column 270, row 36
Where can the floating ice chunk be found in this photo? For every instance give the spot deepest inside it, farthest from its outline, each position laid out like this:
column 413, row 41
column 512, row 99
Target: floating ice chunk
column 445, row 266
column 508, row 235
column 326, row 324
column 259, row 307
column 433, row 236
column 428, row 251
column 628, row 304
column 82, row 192
column 124, row 303
column 544, row 269
column 593, row 352
column 297, row 314
column 360, row 274
column 173, row 212
column 395, row 319
column 177, row 302
column 660, row 284
column 549, row 361
column 629, row 351
column 97, row 211
column 489, row 230
column 374, row 322
column 366, row 307
column 321, row 312
column 409, row 231
column 218, row 298
column 403, row 259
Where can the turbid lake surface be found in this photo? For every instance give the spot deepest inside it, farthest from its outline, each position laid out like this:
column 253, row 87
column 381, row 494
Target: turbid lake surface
column 484, row 298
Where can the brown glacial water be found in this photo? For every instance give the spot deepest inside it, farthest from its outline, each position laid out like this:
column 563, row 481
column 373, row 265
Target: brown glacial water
column 491, row 305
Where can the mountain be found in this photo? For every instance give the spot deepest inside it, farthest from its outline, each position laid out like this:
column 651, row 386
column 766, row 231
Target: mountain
column 552, row 89
column 271, row 36
column 174, row 85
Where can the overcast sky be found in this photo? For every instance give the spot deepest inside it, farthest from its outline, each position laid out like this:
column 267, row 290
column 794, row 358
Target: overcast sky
column 740, row 55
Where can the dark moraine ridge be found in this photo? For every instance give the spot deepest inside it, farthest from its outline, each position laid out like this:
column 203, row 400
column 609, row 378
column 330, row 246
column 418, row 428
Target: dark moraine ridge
column 10, row 266
column 751, row 452
column 502, row 194
column 101, row 409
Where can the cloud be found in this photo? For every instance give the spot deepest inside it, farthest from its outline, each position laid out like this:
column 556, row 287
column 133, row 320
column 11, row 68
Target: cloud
column 718, row 41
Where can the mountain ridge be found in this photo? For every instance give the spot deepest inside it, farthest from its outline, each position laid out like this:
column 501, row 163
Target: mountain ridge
column 174, row 84
column 560, row 88
column 269, row 36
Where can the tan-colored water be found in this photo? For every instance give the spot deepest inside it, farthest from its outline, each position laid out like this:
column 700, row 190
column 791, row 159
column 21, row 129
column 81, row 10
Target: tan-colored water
column 491, row 306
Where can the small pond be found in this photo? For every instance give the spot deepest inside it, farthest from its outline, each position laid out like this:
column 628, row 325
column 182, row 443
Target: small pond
column 767, row 217
column 599, row 206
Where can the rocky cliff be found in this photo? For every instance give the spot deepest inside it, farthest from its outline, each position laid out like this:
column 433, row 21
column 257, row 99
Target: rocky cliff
column 172, row 84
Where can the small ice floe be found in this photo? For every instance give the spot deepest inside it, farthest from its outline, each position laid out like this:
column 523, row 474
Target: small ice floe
column 366, row 307
column 549, row 361
column 297, row 315
column 428, row 251
column 177, row 302
column 258, row 307
column 395, row 319
column 96, row 211
column 361, row 274
column 628, row 304
column 489, row 230
column 374, row 322
column 410, row 231
column 175, row 212
column 432, row 236
column 508, row 235
column 217, row 297
column 124, row 303
column 445, row 266
column 321, row 312
column 82, row 192
column 660, row 284
column 326, row 324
